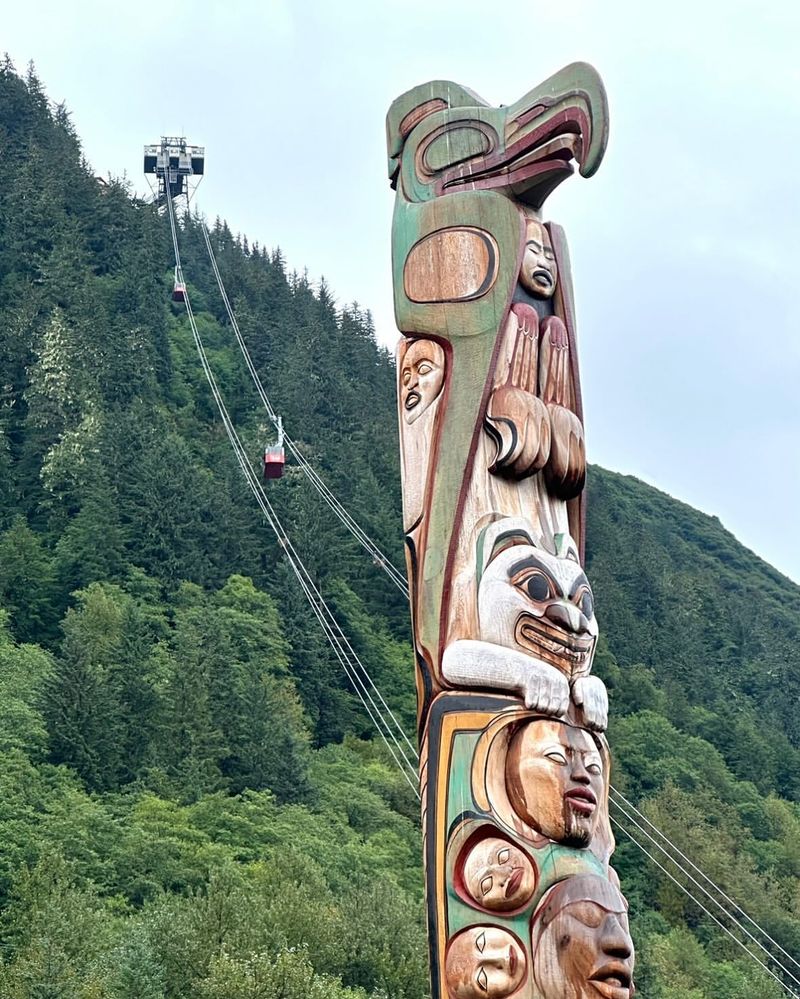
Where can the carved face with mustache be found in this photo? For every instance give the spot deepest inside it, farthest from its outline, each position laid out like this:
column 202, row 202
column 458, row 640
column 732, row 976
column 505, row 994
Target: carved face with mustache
column 582, row 948
column 539, row 271
column 555, row 780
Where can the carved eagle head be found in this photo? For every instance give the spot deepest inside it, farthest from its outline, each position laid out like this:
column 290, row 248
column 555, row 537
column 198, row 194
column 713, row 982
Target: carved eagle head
column 443, row 138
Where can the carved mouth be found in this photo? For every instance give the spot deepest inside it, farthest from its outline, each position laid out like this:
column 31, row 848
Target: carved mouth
column 542, row 276
column 514, row 882
column 412, row 399
column 572, row 654
column 512, row 959
column 582, row 800
column 613, row 981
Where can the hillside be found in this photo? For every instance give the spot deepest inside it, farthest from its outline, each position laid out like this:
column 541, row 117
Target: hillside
column 194, row 804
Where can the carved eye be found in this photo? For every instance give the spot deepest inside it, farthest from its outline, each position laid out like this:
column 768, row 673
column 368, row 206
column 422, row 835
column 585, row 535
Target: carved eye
column 588, row 913
column 486, row 885
column 556, row 757
column 586, row 603
column 455, row 144
column 480, row 942
column 424, row 368
column 537, row 586
column 503, row 855
column 406, row 375
column 483, row 981
column 593, row 765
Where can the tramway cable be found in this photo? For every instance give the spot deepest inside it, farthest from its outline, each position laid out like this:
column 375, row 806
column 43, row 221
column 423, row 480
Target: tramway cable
column 629, row 805
column 339, row 642
column 333, row 632
column 284, row 436
column 379, row 558
column 710, row 914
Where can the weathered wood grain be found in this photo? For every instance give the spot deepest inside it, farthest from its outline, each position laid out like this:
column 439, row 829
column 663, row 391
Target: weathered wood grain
column 515, row 766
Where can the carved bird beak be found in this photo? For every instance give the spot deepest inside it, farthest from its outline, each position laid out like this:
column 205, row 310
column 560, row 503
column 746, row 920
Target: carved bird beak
column 561, row 120
column 571, row 102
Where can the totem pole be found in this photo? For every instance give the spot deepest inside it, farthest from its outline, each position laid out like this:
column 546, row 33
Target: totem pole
column 521, row 900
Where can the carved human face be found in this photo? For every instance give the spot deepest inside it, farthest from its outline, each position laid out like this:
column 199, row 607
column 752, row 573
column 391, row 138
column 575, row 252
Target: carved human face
column 584, row 950
column 498, row 875
column 539, row 271
column 555, row 781
column 484, row 962
column 542, row 604
column 421, row 377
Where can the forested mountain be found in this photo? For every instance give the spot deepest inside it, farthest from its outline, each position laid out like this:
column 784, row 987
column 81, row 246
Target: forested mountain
column 193, row 803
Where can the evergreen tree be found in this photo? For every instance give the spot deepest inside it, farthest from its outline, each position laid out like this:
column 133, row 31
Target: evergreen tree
column 24, row 672
column 27, row 584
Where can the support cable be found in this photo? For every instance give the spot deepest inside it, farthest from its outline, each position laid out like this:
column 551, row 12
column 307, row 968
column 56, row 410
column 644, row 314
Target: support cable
column 378, row 556
column 341, row 646
column 697, row 901
column 714, row 885
column 270, row 514
column 345, row 653
column 371, row 547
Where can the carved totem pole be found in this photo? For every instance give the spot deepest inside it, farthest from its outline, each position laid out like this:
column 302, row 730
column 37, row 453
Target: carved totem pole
column 514, row 765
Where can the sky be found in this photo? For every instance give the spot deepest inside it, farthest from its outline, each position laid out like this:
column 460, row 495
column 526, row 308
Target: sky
column 684, row 245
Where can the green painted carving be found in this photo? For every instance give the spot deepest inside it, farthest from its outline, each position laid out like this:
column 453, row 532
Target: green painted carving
column 514, row 768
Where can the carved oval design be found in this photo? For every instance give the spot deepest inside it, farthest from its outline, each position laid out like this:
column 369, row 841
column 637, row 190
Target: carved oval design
column 454, row 145
column 451, row 265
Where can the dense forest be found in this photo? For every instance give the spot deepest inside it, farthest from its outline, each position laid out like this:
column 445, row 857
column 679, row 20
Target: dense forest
column 193, row 803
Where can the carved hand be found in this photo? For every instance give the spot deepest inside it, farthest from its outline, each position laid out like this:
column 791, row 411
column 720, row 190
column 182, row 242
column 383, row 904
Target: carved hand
column 523, row 373
column 589, row 693
column 546, row 689
column 470, row 663
column 516, row 419
column 565, row 471
column 519, row 425
column 555, row 375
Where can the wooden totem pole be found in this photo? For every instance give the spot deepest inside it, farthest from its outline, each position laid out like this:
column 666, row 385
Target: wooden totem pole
column 521, row 899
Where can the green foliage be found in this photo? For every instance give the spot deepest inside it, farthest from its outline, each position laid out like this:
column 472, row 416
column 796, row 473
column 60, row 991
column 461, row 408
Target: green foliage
column 706, row 621
column 131, row 969
column 56, row 930
column 24, row 672
column 290, row 975
column 683, row 963
column 27, row 582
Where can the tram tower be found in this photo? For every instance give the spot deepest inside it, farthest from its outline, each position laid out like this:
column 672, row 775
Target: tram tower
column 177, row 166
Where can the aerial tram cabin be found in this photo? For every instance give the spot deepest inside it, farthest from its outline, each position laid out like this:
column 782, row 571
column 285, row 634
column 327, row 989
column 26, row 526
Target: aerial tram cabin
column 179, row 288
column 275, row 456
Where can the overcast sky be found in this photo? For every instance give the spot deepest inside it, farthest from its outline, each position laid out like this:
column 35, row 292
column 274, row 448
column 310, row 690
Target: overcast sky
column 684, row 245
